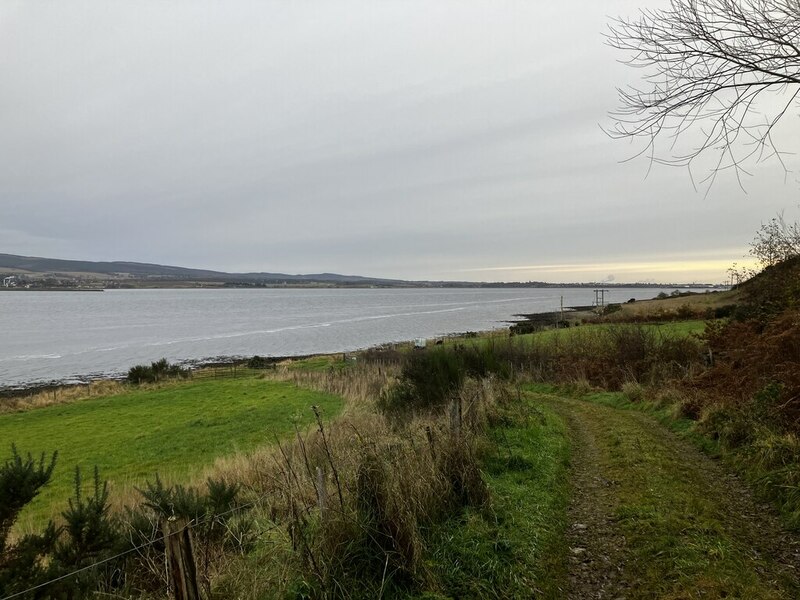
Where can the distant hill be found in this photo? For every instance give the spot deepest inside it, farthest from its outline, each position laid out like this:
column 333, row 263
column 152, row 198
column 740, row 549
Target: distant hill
column 55, row 272
column 135, row 270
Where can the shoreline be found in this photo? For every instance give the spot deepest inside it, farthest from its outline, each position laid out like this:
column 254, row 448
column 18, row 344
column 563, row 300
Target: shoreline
column 541, row 319
column 11, row 392
column 37, row 387
column 51, row 289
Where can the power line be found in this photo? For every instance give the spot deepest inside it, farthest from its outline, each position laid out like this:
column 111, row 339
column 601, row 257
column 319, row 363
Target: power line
column 82, row 569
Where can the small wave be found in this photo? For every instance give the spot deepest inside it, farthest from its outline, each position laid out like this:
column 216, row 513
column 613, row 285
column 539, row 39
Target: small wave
column 101, row 349
column 404, row 314
column 225, row 336
column 239, row 334
column 26, row 357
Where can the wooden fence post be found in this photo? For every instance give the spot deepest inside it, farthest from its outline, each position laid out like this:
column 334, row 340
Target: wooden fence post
column 455, row 415
column 322, row 493
column 180, row 559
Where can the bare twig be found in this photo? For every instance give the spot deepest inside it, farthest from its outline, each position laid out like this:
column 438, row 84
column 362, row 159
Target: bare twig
column 727, row 70
column 328, row 454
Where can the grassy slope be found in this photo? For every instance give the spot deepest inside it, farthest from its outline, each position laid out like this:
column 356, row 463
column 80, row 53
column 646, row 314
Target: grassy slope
column 671, row 328
column 697, row 302
column 174, row 430
column 318, row 364
column 676, row 328
column 518, row 544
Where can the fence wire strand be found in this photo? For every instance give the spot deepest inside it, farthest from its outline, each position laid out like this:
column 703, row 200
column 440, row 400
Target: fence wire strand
column 137, row 548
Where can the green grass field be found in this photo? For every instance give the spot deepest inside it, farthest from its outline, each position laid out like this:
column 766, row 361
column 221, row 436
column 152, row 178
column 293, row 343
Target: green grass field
column 672, row 328
column 175, row 430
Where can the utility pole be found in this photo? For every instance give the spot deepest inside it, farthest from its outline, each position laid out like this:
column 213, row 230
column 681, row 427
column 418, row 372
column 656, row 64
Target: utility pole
column 600, row 298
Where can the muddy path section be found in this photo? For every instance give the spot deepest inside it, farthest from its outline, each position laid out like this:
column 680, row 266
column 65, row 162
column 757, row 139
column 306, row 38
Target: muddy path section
column 597, row 553
column 653, row 517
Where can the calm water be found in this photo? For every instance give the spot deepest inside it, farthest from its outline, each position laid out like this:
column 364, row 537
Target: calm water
column 48, row 336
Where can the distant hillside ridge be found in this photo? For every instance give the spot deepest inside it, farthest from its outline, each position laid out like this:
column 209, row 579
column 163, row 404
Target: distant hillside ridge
column 83, row 273
column 35, row 264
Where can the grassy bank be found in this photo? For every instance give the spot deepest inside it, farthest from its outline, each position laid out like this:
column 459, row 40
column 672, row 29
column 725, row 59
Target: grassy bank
column 176, row 430
column 518, row 547
column 669, row 328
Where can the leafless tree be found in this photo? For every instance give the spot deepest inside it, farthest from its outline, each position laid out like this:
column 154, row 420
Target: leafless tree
column 776, row 241
column 720, row 76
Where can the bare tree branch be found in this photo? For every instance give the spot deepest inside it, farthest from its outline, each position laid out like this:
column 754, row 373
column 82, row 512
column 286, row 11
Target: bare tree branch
column 776, row 241
column 728, row 71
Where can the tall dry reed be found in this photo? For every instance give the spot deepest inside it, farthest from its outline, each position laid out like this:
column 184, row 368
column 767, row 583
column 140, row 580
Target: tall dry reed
column 347, row 501
column 360, row 384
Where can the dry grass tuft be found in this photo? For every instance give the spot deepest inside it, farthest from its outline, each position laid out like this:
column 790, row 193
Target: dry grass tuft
column 62, row 395
column 353, row 496
column 633, row 391
column 360, row 385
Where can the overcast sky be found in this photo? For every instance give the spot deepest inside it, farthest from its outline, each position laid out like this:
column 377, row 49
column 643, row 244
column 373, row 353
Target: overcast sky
column 418, row 140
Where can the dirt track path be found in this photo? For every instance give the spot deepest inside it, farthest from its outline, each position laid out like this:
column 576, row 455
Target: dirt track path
column 652, row 517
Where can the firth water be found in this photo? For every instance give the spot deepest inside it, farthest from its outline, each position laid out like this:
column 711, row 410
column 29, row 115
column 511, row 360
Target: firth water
column 46, row 336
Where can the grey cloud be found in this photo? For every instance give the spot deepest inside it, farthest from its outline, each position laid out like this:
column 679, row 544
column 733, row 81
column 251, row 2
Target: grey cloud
column 408, row 139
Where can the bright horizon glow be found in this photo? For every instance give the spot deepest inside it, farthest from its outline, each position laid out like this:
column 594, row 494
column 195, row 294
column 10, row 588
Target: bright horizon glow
column 665, row 271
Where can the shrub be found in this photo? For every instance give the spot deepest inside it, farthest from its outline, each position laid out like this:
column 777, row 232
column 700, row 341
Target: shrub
column 216, row 515
column 524, row 327
column 140, row 374
column 427, row 380
column 493, row 358
column 87, row 522
column 156, row 371
column 20, row 482
column 89, row 535
column 259, row 362
column 757, row 365
column 724, row 312
column 219, row 500
column 23, row 564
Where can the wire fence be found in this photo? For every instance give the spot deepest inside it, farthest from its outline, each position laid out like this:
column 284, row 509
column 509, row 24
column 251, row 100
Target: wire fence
column 229, row 371
column 140, row 547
